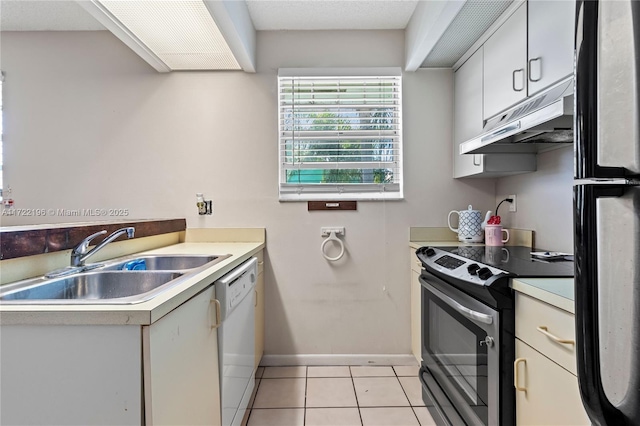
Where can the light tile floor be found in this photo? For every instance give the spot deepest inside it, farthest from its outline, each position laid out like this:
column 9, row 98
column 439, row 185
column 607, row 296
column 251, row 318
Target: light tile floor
column 338, row 396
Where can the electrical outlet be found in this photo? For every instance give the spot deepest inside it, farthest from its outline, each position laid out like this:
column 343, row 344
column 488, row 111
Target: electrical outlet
column 513, row 206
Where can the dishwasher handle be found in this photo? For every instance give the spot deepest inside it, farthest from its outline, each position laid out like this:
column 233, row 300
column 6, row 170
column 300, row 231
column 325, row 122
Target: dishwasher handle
column 239, row 271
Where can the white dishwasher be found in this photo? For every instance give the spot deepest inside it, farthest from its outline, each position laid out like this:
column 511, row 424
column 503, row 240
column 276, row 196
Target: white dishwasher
column 236, row 340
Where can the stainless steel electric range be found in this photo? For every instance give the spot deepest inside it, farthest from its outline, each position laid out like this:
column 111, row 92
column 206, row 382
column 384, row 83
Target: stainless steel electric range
column 468, row 320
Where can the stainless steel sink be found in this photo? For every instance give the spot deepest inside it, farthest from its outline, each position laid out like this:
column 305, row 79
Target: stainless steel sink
column 174, row 262
column 109, row 283
column 111, row 287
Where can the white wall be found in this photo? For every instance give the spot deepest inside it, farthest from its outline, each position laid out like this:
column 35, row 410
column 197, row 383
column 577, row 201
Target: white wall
column 89, row 124
column 544, row 200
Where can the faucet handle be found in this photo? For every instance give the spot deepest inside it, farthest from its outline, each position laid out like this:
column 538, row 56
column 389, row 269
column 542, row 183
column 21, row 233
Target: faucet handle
column 131, row 231
column 84, row 245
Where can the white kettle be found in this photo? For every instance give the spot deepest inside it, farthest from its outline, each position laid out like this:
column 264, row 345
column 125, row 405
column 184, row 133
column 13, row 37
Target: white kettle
column 470, row 225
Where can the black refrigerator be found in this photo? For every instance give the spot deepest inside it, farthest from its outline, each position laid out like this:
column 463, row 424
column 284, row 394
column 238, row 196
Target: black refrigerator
column 607, row 209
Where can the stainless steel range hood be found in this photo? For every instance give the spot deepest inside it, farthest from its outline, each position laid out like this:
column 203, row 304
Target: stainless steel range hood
column 542, row 122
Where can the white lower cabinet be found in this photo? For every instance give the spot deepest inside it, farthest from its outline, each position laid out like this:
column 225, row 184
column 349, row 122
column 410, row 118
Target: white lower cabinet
column 166, row 373
column 416, row 313
column 181, row 380
column 416, row 325
column 162, row 374
column 259, row 310
column 547, row 394
column 70, row 375
column 546, row 387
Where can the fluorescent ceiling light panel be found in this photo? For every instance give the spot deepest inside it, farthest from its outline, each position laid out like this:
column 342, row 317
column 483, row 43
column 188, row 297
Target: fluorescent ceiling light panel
column 182, row 34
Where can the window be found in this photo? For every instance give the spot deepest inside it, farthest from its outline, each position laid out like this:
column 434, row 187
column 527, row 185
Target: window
column 340, row 137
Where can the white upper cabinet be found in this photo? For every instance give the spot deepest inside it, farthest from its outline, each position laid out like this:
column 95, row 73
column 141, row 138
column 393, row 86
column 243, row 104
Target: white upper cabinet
column 551, row 39
column 530, row 51
column 467, row 114
column 505, row 64
column 468, row 124
column 468, row 98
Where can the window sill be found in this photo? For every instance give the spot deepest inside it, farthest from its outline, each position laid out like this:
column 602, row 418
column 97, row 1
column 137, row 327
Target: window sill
column 341, row 197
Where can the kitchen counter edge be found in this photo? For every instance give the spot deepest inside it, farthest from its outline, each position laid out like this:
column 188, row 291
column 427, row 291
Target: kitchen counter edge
column 144, row 313
column 558, row 292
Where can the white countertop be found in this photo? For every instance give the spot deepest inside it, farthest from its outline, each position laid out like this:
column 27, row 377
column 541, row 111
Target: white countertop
column 558, row 292
column 140, row 313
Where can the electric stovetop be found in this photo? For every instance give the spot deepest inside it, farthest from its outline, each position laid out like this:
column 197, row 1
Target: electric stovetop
column 515, row 259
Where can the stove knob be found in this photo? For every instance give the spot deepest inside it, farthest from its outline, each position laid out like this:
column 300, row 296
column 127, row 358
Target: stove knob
column 430, row 252
column 484, row 273
column 473, row 268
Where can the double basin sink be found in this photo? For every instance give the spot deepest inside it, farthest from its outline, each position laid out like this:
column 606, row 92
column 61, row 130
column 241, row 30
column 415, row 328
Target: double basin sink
column 121, row 281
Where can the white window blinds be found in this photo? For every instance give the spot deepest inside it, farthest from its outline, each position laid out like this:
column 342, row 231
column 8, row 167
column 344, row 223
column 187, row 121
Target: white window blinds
column 340, row 137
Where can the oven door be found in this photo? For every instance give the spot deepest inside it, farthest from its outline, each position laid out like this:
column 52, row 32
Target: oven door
column 460, row 351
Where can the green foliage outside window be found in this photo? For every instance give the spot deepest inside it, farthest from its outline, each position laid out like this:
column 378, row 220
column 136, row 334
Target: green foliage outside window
column 341, row 150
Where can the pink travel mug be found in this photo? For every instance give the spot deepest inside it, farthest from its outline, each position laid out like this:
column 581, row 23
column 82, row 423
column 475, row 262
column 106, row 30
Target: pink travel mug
column 493, row 235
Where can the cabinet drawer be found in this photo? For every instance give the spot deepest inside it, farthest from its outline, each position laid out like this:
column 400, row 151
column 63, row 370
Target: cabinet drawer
column 534, row 317
column 551, row 397
column 416, row 265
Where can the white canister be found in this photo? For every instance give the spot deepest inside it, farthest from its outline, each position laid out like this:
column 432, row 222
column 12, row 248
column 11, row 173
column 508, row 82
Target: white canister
column 469, row 225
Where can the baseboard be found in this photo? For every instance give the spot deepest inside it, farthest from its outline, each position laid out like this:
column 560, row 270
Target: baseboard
column 338, row 359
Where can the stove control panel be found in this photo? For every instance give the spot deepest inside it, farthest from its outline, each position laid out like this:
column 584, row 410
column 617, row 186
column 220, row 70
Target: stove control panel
column 456, row 266
column 449, row 262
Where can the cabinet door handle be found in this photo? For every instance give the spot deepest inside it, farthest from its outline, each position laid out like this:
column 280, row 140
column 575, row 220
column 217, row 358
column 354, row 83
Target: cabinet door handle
column 513, row 79
column 515, row 374
column 261, row 263
column 255, row 301
column 544, row 330
column 532, row 60
column 218, row 319
column 477, row 157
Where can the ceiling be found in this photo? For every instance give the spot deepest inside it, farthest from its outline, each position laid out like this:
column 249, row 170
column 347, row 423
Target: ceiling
column 65, row 15
column 330, row 14
column 457, row 35
column 45, row 15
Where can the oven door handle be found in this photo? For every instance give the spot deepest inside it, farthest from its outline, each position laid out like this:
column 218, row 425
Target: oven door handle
column 468, row 313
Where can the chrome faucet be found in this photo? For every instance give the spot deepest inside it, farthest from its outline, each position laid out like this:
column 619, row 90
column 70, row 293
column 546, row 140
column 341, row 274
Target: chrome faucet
column 79, row 254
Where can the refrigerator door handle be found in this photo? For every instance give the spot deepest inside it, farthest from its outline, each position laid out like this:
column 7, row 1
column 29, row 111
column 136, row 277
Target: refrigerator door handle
column 594, row 399
column 585, row 119
column 586, row 89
